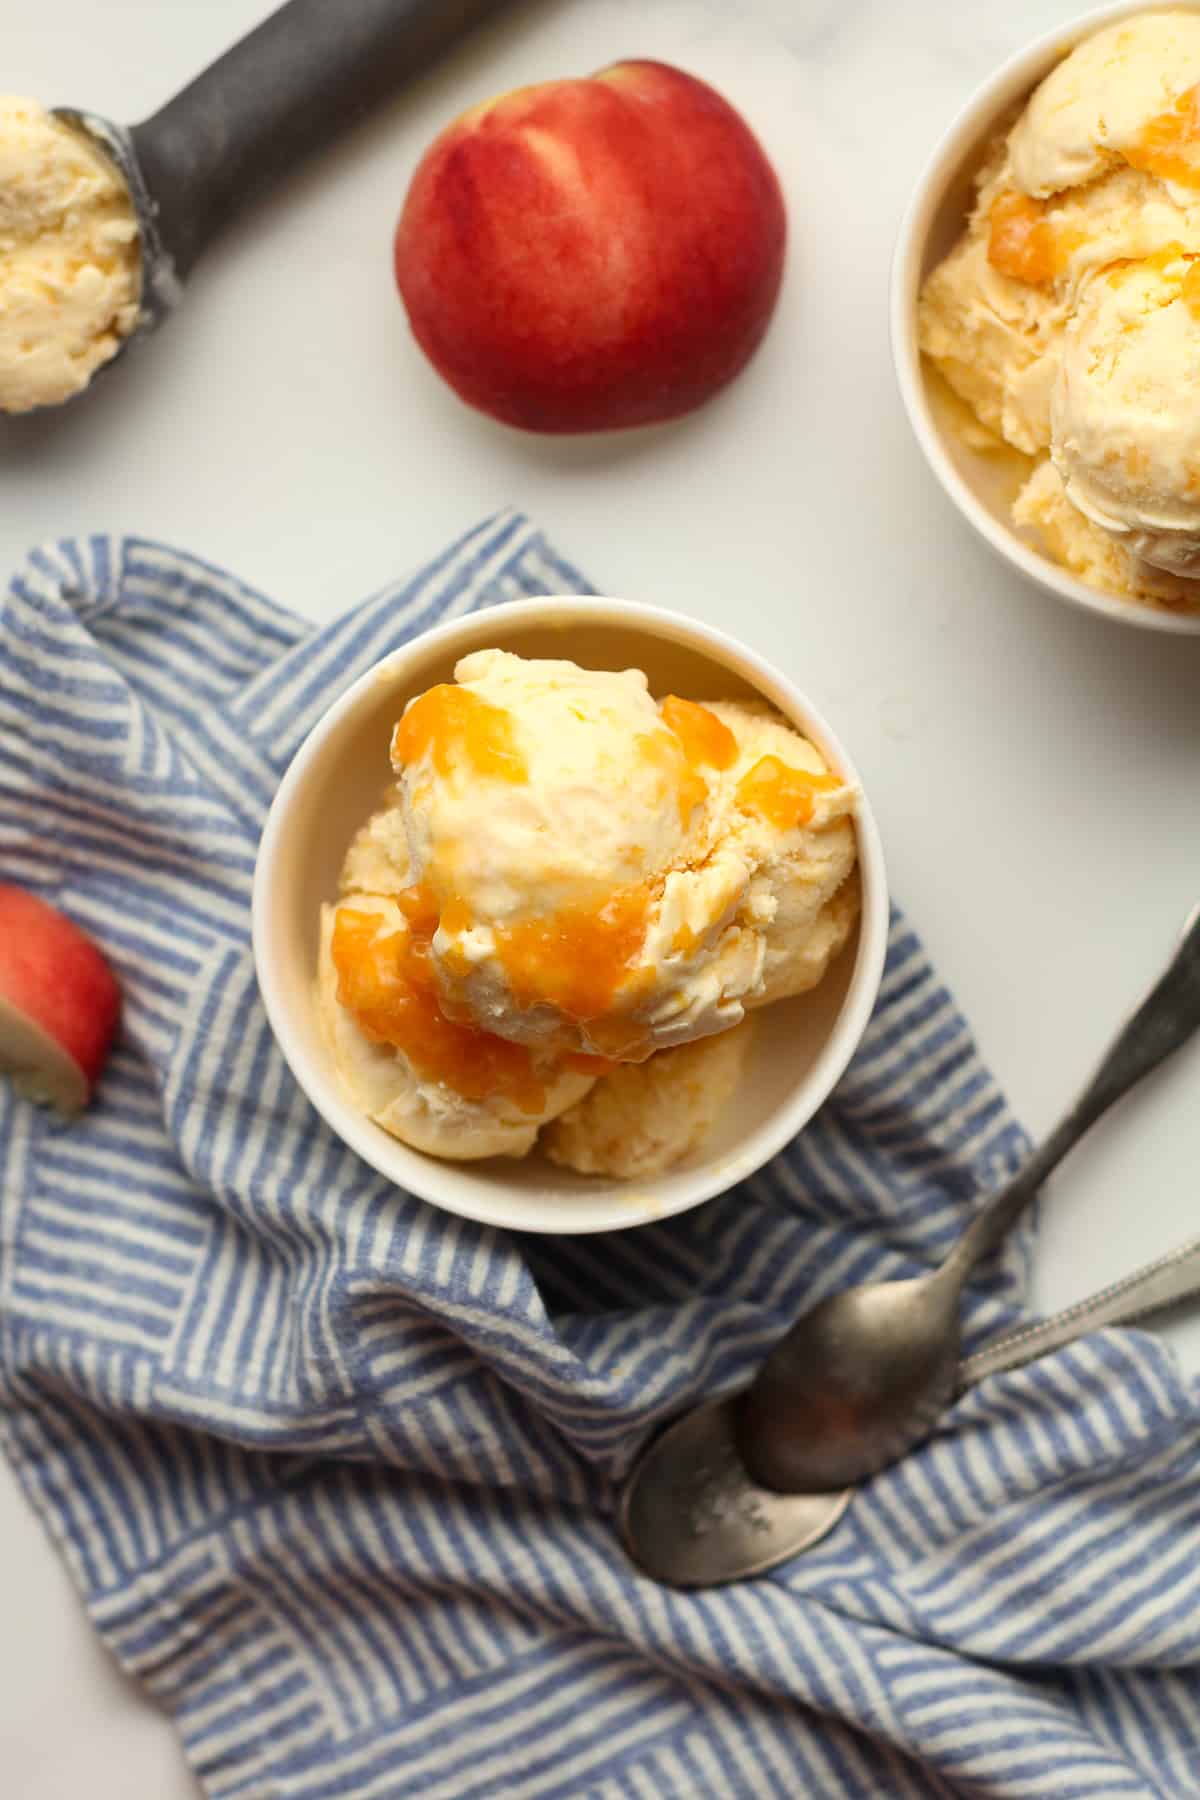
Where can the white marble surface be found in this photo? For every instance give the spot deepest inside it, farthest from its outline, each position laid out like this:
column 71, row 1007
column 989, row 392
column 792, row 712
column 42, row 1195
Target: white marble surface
column 1036, row 772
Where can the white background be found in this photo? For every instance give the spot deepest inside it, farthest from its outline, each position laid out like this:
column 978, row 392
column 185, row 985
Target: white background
column 1036, row 772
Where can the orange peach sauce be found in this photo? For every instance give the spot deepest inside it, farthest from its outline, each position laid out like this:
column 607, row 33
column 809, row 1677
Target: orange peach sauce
column 1021, row 243
column 1169, row 146
column 707, row 741
column 388, row 982
column 705, row 738
column 1124, row 268
column 785, row 797
column 579, row 958
column 664, row 752
column 694, row 739
column 459, row 727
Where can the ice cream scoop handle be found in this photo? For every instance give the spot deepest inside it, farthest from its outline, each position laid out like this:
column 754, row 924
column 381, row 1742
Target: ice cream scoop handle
column 306, row 74
column 1165, row 1020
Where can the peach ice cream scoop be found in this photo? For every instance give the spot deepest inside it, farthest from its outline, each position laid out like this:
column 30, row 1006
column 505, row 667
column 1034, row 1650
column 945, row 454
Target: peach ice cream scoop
column 609, row 868
column 1126, row 409
column 1121, row 98
column 569, row 876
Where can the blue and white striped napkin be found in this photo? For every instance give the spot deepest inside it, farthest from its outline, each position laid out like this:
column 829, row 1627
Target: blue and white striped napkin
column 335, row 1473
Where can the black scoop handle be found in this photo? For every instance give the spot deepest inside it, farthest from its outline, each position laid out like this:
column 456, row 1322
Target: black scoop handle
column 306, row 74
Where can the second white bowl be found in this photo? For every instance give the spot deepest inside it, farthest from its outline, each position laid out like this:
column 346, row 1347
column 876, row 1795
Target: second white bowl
column 982, row 486
column 800, row 1047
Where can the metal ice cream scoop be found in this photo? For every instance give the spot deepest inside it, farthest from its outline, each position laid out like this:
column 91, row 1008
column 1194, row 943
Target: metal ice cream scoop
column 691, row 1516
column 306, row 74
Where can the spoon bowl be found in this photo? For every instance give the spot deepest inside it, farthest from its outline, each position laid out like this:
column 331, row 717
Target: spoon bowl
column 862, row 1376
column 691, row 1516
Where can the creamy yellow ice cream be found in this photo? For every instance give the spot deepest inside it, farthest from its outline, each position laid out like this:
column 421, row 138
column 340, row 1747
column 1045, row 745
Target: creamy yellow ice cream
column 1064, row 317
column 1126, row 409
column 1089, row 116
column 419, row 1104
column 610, row 872
column 70, row 264
column 1096, row 556
column 568, row 876
column 648, row 1116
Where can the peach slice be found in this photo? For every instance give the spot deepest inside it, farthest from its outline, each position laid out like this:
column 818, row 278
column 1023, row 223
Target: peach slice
column 59, row 1002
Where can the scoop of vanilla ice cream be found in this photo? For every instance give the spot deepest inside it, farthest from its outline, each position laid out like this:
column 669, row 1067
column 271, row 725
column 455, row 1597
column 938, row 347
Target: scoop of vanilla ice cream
column 582, row 794
column 543, row 802
column 1091, row 112
column 801, row 896
column 998, row 339
column 565, row 865
column 70, row 263
column 994, row 341
column 382, row 1081
column 646, row 1117
column 1126, row 408
column 378, row 860
column 604, row 888
column 1096, row 556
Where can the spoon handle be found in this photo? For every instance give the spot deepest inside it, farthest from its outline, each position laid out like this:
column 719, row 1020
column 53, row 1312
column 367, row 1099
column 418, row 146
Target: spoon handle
column 1166, row 1018
column 307, row 73
column 1174, row 1277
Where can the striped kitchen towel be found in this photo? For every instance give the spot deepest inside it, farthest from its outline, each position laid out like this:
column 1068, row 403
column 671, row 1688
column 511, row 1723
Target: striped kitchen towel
column 335, row 1473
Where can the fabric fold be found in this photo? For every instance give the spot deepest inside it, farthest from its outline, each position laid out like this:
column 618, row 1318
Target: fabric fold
column 335, row 1473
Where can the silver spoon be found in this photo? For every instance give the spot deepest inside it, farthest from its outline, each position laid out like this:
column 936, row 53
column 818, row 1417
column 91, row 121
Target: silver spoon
column 307, row 73
column 864, row 1374
column 692, row 1517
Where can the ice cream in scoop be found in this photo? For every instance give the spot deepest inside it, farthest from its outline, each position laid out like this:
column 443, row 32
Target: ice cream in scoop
column 70, row 261
column 570, row 875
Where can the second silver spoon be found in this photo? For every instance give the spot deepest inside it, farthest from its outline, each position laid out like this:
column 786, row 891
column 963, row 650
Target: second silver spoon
column 863, row 1375
column 692, row 1517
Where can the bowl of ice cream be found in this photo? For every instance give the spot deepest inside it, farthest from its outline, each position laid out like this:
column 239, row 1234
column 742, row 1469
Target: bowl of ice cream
column 569, row 914
column 1045, row 314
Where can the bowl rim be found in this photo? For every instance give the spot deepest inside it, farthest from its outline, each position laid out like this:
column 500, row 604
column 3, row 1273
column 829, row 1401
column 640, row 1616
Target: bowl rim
column 526, row 1212
column 1018, row 73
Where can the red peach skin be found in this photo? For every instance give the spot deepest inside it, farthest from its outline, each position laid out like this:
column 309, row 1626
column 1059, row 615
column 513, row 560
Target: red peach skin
column 59, row 1001
column 584, row 255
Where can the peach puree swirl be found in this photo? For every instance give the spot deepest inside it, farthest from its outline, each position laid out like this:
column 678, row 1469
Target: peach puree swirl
column 387, row 980
column 785, row 797
column 1169, row 146
column 458, row 726
column 1022, row 242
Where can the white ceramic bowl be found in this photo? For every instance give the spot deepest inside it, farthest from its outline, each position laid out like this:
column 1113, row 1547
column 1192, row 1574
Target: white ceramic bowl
column 800, row 1047
column 980, row 485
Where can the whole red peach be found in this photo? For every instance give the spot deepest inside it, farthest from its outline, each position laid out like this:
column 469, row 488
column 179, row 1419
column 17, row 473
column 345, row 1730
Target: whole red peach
column 583, row 255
